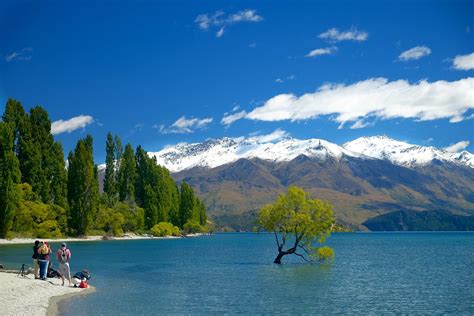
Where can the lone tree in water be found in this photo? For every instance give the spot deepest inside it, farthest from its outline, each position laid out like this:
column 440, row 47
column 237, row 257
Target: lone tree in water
column 299, row 221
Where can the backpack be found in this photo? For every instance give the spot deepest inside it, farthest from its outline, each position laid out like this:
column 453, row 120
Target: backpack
column 43, row 250
column 63, row 257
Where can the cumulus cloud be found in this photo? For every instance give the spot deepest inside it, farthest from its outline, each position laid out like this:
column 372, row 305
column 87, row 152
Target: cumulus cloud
column 459, row 146
column 464, row 62
column 374, row 97
column 415, row 53
column 25, row 54
column 220, row 20
column 71, row 125
column 334, row 35
column 322, row 51
column 184, row 125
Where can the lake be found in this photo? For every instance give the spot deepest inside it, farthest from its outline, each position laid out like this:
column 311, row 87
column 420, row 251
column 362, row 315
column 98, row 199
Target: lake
column 375, row 273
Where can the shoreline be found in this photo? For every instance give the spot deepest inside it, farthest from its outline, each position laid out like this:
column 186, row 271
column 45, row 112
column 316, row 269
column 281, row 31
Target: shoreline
column 27, row 296
column 16, row 241
column 54, row 301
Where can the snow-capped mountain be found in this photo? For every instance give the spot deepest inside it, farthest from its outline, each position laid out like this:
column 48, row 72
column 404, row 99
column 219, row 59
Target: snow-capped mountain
column 404, row 154
column 217, row 152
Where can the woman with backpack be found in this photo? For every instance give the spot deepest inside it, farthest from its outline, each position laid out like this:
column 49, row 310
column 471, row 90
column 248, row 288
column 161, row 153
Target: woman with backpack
column 43, row 259
column 63, row 255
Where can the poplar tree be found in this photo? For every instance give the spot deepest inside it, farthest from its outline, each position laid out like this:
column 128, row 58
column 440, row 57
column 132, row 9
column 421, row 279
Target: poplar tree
column 16, row 116
column 187, row 202
column 127, row 175
column 58, row 176
column 42, row 143
column 9, row 177
column 110, row 176
column 82, row 186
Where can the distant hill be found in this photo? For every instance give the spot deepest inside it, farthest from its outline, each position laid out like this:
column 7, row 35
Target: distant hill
column 364, row 179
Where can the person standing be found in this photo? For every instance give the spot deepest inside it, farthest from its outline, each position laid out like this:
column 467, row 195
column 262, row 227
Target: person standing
column 35, row 259
column 63, row 255
column 43, row 259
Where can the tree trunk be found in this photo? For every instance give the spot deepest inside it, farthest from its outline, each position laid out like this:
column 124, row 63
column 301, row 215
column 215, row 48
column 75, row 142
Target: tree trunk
column 278, row 258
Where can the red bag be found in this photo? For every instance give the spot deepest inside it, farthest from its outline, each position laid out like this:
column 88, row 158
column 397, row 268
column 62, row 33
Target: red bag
column 83, row 285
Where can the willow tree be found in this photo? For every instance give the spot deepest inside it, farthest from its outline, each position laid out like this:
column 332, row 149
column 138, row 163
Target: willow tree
column 300, row 225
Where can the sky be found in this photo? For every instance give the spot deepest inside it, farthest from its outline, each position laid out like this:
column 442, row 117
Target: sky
column 158, row 73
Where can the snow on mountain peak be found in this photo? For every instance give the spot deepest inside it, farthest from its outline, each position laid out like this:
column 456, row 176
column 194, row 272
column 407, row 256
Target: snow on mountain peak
column 217, row 152
column 405, row 154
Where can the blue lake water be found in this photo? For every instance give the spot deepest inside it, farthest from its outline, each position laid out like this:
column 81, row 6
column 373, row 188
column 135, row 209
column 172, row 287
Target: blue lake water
column 375, row 273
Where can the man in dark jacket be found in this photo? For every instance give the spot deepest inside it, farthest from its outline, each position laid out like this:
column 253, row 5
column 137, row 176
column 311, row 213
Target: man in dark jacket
column 35, row 259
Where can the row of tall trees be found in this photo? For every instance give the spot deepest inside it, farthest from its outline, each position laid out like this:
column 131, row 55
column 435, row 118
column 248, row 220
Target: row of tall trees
column 40, row 197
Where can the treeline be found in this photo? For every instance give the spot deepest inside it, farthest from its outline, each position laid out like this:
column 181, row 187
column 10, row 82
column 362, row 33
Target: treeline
column 40, row 197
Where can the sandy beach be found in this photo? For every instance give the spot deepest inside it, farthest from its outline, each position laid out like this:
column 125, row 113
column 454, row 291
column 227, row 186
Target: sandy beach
column 14, row 241
column 27, row 296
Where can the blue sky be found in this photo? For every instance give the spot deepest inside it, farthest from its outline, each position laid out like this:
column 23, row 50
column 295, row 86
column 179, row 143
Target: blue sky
column 162, row 72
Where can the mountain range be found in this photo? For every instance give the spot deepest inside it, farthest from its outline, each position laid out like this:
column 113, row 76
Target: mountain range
column 375, row 183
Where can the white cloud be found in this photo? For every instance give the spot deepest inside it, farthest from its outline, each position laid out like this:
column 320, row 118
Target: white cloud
column 220, row 20
column 459, row 146
column 415, row 53
column 25, row 54
column 334, row 35
column 360, row 124
column 71, row 125
column 220, row 32
column 374, row 97
column 279, row 80
column 184, row 125
column 322, row 51
column 291, row 77
column 464, row 62
column 231, row 118
column 253, row 45
column 274, row 136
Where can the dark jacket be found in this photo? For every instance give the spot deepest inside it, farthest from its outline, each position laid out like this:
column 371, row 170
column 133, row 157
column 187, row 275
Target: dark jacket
column 35, row 252
column 81, row 275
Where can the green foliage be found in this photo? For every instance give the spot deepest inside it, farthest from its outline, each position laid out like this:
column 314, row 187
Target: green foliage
column 325, row 253
column 9, row 177
column 163, row 229
column 193, row 227
column 127, row 175
column 110, row 185
column 187, row 203
column 109, row 221
column 82, row 187
column 53, row 201
column 155, row 191
column 58, row 176
column 33, row 218
column 296, row 217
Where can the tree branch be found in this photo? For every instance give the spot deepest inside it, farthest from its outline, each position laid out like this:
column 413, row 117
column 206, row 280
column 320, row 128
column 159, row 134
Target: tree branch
column 276, row 240
column 305, row 250
column 304, row 258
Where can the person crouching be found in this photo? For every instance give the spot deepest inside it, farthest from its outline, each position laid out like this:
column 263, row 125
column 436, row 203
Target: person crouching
column 79, row 277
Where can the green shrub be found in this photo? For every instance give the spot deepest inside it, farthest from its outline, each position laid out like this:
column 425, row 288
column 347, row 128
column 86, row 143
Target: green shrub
column 48, row 229
column 164, row 229
column 325, row 253
column 193, row 227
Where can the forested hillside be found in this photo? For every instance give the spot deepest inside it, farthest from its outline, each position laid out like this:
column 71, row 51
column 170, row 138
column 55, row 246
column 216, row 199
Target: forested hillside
column 40, row 197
